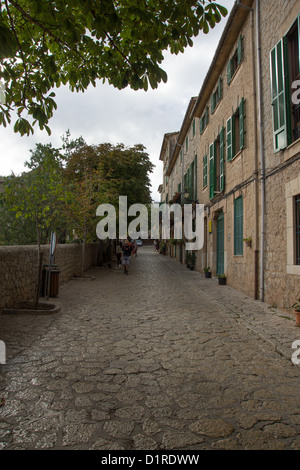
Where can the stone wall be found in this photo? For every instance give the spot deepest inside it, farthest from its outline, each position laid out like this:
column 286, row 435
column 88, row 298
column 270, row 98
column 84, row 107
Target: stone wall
column 19, row 268
column 282, row 275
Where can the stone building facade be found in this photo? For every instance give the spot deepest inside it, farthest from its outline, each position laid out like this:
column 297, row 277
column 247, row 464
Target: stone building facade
column 247, row 156
column 280, row 65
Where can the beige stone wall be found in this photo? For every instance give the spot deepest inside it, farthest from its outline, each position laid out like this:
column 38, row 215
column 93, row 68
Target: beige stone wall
column 282, row 277
column 240, row 270
column 18, row 268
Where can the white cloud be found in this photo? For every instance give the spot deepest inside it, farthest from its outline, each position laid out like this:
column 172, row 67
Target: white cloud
column 104, row 114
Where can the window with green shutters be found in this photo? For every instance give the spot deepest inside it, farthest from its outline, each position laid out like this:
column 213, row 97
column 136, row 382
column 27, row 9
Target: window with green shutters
column 235, row 61
column 190, row 181
column 205, row 171
column 204, row 120
column 217, row 96
column 297, row 229
column 235, row 131
column 216, row 165
column 194, row 127
column 238, row 226
column 195, row 198
column 211, row 171
column 285, row 69
column 278, row 97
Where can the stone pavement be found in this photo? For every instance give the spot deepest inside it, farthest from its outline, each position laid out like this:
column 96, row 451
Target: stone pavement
column 159, row 359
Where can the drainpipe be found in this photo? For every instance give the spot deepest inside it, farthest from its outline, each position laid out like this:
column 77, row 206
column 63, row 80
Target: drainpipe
column 261, row 142
column 262, row 156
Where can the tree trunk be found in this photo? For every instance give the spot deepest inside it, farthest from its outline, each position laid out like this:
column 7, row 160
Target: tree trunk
column 83, row 256
column 40, row 260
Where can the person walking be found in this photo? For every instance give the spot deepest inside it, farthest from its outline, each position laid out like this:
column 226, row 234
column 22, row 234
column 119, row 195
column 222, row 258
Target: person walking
column 127, row 250
column 135, row 248
column 119, row 254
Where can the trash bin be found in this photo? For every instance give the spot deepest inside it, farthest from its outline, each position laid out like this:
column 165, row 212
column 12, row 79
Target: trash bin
column 54, row 280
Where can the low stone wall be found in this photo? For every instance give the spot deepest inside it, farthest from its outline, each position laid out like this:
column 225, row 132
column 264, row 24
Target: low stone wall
column 19, row 268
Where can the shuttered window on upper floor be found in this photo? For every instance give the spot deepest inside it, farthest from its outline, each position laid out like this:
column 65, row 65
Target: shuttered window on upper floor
column 216, row 165
column 297, row 230
column 204, row 120
column 285, row 71
column 238, row 226
column 235, row 131
column 204, row 178
column 235, row 61
column 216, row 96
column 190, row 180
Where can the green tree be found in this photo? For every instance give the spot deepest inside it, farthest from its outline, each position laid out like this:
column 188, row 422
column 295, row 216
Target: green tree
column 124, row 171
column 81, row 181
column 48, row 43
column 99, row 174
column 36, row 196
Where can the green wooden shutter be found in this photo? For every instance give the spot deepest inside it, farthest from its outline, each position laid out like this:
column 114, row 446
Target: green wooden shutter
column 211, row 171
column 229, row 71
column 278, row 97
column 229, row 138
column 299, row 42
column 220, row 89
column 238, row 226
column 194, row 127
column 222, row 159
column 201, row 125
column 206, row 116
column 204, row 171
column 213, row 103
column 288, row 99
column 240, row 50
column 191, row 188
column 195, row 179
column 242, row 129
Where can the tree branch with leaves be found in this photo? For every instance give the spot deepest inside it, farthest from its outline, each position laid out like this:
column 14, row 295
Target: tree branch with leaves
column 48, row 43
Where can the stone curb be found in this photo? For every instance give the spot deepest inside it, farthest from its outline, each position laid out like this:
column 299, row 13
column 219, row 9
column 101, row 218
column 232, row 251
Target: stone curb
column 45, row 309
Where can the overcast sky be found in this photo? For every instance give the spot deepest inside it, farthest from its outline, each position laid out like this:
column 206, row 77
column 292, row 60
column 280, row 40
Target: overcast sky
column 104, row 114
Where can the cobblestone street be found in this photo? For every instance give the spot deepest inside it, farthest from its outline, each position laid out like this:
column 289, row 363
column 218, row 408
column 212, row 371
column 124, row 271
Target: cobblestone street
column 160, row 359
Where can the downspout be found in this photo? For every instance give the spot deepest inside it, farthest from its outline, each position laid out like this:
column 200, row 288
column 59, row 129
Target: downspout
column 262, row 156
column 256, row 162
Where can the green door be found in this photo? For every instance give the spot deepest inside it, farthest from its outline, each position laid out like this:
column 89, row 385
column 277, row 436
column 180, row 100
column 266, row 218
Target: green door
column 220, row 244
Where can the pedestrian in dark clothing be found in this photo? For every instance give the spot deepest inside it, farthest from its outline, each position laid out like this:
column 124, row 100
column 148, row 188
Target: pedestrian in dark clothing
column 127, row 250
column 119, row 254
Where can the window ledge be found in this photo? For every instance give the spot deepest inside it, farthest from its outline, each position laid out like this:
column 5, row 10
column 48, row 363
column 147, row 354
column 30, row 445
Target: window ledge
column 235, row 157
column 291, row 150
column 235, row 74
column 295, row 269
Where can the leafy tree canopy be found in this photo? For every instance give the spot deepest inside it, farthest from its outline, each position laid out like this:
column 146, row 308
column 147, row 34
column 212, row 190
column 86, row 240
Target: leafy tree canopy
column 48, row 43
